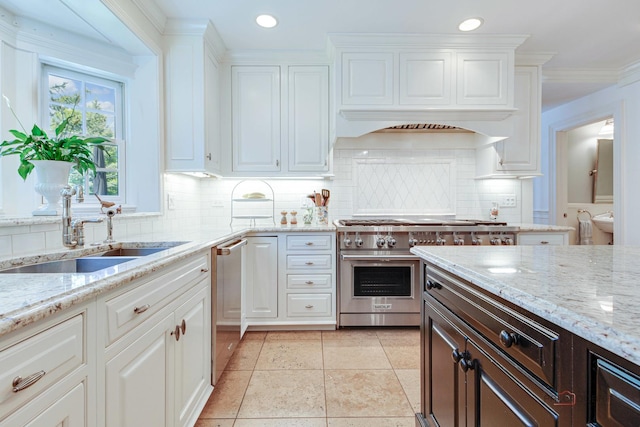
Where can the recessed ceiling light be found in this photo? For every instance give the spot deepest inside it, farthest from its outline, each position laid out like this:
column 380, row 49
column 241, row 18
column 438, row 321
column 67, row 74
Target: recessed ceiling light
column 266, row 21
column 470, row 24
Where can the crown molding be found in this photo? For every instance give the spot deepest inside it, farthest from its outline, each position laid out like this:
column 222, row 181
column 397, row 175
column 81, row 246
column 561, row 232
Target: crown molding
column 580, row 75
column 413, row 41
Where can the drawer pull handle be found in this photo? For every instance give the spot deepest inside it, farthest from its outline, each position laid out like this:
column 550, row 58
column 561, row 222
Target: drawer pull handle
column 466, row 364
column 176, row 332
column 309, row 282
column 141, row 309
column 309, row 243
column 508, row 339
column 309, row 263
column 183, row 327
column 20, row 383
column 544, row 242
column 204, row 270
column 308, row 306
column 433, row 285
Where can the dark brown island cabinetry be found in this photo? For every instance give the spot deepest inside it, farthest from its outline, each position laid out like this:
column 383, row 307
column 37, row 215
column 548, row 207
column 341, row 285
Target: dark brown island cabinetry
column 485, row 364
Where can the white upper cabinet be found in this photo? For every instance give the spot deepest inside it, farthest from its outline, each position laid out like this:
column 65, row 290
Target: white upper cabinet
column 255, row 118
column 425, row 78
column 367, row 78
column 412, row 79
column 308, row 118
column 192, row 99
column 519, row 154
column 483, row 79
column 279, row 116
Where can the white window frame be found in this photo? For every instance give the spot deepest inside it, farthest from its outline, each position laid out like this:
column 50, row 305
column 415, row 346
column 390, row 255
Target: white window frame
column 119, row 126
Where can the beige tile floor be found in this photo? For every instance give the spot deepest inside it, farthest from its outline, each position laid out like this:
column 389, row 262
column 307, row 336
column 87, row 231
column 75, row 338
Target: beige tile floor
column 343, row 378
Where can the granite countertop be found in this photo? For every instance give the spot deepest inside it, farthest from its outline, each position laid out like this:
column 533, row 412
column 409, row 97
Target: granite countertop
column 542, row 228
column 590, row 291
column 26, row 298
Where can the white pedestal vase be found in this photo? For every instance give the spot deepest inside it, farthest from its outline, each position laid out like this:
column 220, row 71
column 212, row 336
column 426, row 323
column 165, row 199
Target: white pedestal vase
column 51, row 177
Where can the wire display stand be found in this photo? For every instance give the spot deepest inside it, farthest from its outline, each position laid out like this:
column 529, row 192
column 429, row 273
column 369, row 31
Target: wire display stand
column 252, row 200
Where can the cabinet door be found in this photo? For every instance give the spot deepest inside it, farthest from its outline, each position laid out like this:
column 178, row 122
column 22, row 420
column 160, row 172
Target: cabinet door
column 213, row 142
column 138, row 378
column 68, row 411
column 483, row 79
column 255, row 118
column 425, row 78
column 521, row 152
column 193, row 364
column 261, row 271
column 495, row 398
column 308, row 118
column 367, row 78
column 443, row 382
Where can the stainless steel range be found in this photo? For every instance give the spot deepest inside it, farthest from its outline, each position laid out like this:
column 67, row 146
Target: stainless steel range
column 379, row 278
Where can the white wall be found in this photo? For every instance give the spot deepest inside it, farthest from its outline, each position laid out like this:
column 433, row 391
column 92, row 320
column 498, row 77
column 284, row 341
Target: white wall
column 623, row 103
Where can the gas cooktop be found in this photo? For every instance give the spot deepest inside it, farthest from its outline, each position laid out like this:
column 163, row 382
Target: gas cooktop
column 377, row 222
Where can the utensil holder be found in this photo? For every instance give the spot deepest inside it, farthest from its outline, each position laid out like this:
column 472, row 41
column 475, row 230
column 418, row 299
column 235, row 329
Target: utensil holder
column 322, row 215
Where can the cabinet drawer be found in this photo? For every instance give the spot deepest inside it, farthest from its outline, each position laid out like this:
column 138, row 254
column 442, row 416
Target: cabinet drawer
column 51, row 354
column 309, row 262
column 127, row 310
column 310, row 242
column 541, row 239
column 309, row 281
column 527, row 342
column 308, row 305
column 617, row 395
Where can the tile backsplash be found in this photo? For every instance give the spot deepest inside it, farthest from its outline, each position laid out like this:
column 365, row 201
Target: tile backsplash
column 376, row 182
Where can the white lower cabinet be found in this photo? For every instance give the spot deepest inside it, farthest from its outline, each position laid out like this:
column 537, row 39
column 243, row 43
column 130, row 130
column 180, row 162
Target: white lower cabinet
column 543, row 238
column 158, row 372
column 47, row 373
column 261, row 272
column 291, row 281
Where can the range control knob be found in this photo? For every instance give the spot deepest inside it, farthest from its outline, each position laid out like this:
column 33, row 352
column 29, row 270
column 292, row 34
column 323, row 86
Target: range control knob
column 440, row 242
column 476, row 241
column 391, row 242
column 458, row 241
column 495, row 241
column 380, row 242
column 359, row 241
column 507, row 241
column 413, row 242
column 347, row 241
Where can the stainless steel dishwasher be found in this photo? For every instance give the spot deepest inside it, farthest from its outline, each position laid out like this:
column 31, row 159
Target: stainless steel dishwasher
column 226, row 313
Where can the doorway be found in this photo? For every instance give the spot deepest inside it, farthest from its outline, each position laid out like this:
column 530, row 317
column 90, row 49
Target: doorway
column 584, row 174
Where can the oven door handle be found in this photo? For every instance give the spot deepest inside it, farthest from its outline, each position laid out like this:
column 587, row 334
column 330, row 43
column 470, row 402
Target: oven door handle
column 382, row 258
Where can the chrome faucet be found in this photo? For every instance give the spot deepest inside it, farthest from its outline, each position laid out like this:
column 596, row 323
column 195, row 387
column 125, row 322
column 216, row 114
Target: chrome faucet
column 72, row 229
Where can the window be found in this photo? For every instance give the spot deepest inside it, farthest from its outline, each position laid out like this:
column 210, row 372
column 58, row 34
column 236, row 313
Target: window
column 94, row 106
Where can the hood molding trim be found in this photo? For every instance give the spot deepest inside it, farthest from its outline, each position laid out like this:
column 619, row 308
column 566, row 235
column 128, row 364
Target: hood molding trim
column 357, row 122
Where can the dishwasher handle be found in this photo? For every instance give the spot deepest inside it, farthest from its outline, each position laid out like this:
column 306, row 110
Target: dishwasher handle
column 226, row 250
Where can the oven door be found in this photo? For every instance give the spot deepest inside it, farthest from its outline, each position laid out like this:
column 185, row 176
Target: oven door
column 379, row 284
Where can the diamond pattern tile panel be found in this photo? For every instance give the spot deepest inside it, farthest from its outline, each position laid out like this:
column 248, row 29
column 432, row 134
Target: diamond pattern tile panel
column 401, row 186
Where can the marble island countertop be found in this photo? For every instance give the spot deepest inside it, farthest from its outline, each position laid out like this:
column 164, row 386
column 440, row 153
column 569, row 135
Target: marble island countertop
column 29, row 297
column 591, row 291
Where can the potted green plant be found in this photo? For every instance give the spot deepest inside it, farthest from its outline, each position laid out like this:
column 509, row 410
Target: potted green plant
column 51, row 156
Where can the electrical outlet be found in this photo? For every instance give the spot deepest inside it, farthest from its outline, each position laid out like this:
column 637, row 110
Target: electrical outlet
column 171, row 203
column 509, row 201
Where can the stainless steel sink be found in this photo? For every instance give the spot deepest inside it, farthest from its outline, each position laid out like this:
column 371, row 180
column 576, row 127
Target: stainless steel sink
column 77, row 265
column 129, row 252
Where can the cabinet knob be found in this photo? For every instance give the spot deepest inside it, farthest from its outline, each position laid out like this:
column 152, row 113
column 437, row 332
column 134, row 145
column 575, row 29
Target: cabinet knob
column 204, row 270
column 466, row 364
column 183, row 327
column 20, row 383
column 433, row 285
column 508, row 338
column 209, row 156
column 278, row 163
column 176, row 332
column 456, row 355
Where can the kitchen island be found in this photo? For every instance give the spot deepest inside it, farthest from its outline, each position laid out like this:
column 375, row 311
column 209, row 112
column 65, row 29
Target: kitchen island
column 561, row 323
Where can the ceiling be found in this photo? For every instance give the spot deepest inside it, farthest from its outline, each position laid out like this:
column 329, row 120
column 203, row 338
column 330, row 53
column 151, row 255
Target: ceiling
column 592, row 41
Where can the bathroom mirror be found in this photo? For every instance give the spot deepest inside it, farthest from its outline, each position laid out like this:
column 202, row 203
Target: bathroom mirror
column 603, row 172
